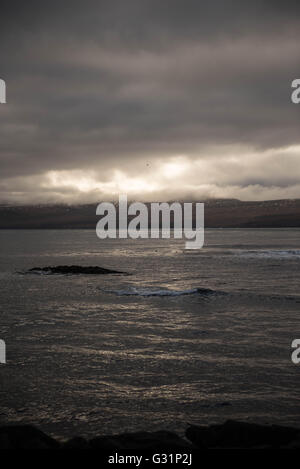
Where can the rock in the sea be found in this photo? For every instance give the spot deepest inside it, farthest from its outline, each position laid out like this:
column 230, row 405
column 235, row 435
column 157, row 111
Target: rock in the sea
column 74, row 269
column 25, row 437
column 241, row 435
column 143, row 441
column 205, row 291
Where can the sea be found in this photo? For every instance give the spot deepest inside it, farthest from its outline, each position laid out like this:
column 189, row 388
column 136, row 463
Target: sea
column 187, row 337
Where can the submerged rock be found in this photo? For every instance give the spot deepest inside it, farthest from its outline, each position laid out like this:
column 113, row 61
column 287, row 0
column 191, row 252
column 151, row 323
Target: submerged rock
column 74, row 269
column 242, row 435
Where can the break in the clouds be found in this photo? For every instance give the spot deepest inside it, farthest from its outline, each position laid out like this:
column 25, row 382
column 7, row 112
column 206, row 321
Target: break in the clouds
column 157, row 99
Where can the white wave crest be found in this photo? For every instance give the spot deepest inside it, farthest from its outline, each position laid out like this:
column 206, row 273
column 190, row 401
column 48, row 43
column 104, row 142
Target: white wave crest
column 272, row 253
column 160, row 292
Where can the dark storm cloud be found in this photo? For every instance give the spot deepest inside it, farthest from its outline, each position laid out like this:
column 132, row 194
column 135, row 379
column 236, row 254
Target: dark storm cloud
column 105, row 86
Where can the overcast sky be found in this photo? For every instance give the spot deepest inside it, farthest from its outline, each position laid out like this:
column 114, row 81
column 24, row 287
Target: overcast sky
column 157, row 99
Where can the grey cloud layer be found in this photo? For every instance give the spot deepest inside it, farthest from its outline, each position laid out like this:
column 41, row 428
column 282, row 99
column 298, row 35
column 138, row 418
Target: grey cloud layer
column 100, row 86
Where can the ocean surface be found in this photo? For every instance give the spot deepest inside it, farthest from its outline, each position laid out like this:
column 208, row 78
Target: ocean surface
column 90, row 355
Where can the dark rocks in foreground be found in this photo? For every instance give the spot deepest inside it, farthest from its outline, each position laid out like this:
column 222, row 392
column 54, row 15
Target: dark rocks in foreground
column 25, row 437
column 146, row 441
column 74, row 269
column 29, row 437
column 231, row 434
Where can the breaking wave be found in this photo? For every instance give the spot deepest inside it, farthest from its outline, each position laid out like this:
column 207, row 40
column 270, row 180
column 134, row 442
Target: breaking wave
column 272, row 253
column 161, row 292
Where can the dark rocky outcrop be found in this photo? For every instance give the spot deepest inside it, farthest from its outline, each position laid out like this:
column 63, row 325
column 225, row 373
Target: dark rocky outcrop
column 205, row 291
column 76, row 443
column 144, row 441
column 231, row 434
column 235, row 434
column 75, row 270
column 25, row 437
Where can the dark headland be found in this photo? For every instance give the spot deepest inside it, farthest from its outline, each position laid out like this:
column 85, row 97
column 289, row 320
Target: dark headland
column 219, row 213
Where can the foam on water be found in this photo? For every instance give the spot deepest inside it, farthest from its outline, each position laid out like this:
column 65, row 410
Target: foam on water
column 271, row 253
column 133, row 291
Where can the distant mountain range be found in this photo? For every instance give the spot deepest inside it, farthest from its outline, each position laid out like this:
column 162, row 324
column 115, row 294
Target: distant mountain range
column 219, row 213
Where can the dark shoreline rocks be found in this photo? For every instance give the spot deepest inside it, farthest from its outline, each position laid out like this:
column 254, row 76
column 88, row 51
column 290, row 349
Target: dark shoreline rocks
column 231, row 434
column 74, row 270
column 234, row 434
column 25, row 437
column 145, row 441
